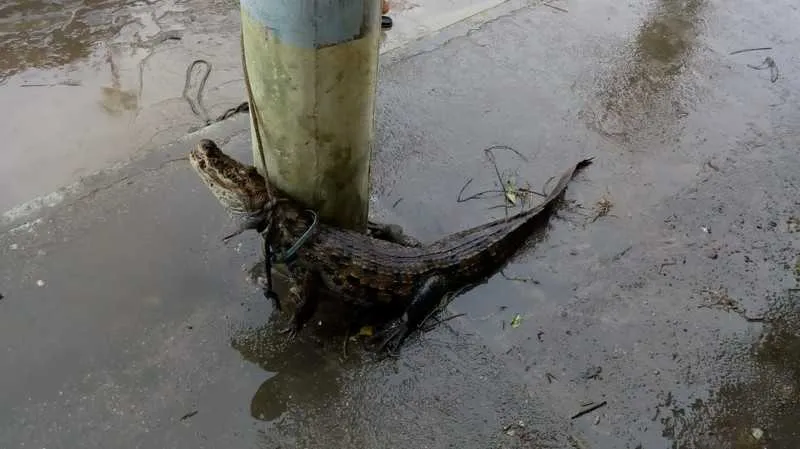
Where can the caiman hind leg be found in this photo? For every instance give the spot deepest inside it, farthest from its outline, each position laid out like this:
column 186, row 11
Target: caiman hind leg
column 302, row 290
column 426, row 299
column 391, row 233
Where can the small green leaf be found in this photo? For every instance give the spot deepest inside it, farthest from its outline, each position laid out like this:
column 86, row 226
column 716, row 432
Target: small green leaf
column 511, row 197
column 511, row 192
column 516, row 321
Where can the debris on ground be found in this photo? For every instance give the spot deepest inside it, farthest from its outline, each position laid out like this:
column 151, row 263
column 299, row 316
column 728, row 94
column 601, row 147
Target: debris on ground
column 188, row 415
column 744, row 50
column 712, row 252
column 768, row 63
column 602, row 207
column 719, row 299
column 593, row 372
column 589, row 409
column 516, row 321
column 511, row 192
column 512, row 428
column 514, row 195
column 519, row 279
column 793, row 224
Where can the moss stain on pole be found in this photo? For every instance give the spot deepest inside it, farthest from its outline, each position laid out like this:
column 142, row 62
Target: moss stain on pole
column 312, row 66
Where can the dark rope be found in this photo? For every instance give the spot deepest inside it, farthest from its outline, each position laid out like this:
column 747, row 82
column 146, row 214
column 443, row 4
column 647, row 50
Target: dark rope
column 196, row 102
column 202, row 112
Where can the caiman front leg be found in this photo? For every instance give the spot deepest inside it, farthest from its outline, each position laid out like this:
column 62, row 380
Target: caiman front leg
column 267, row 290
column 391, row 233
column 302, row 289
column 426, row 299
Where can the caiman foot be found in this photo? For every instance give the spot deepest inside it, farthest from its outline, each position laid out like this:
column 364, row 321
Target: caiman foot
column 391, row 233
column 291, row 332
column 425, row 302
column 395, row 338
column 305, row 298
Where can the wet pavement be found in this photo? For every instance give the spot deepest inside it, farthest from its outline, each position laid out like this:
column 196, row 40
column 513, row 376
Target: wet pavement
column 667, row 289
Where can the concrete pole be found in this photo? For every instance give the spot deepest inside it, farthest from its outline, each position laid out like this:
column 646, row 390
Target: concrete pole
column 312, row 70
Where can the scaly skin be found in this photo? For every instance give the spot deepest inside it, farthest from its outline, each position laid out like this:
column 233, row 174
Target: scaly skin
column 359, row 269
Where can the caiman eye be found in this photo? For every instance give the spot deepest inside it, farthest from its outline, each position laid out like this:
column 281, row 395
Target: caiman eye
column 209, row 147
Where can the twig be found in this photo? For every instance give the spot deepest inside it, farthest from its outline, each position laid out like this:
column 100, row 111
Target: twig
column 768, row 63
column 489, row 152
column 589, row 410
column 471, row 197
column 70, row 83
column 665, row 264
column 484, row 192
column 518, row 279
column 188, row 415
column 744, row 50
column 438, row 322
column 527, row 190
column 544, row 187
column 505, row 147
column 490, row 155
column 555, row 7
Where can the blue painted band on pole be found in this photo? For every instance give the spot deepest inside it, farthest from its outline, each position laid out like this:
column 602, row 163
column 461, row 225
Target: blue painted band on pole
column 313, row 23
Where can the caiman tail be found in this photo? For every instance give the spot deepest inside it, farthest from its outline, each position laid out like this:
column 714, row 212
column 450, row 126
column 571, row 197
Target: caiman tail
column 461, row 260
column 484, row 249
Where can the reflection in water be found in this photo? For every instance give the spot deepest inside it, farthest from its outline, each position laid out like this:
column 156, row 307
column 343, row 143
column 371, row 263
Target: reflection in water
column 760, row 411
column 640, row 89
column 51, row 33
column 307, row 377
column 309, row 370
column 114, row 99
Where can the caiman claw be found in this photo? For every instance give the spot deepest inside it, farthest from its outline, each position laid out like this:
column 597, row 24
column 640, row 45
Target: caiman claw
column 291, row 332
column 391, row 343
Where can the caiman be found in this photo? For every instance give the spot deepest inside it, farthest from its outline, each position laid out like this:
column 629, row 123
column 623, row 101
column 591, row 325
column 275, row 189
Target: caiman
column 360, row 269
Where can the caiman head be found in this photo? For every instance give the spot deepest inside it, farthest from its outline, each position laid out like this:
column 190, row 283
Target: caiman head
column 239, row 187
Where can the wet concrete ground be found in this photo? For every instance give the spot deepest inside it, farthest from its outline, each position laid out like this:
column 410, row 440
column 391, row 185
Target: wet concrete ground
column 678, row 307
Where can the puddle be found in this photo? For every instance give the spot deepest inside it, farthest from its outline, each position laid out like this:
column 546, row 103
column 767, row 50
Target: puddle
column 642, row 91
column 47, row 34
column 95, row 81
column 758, row 408
column 307, row 376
